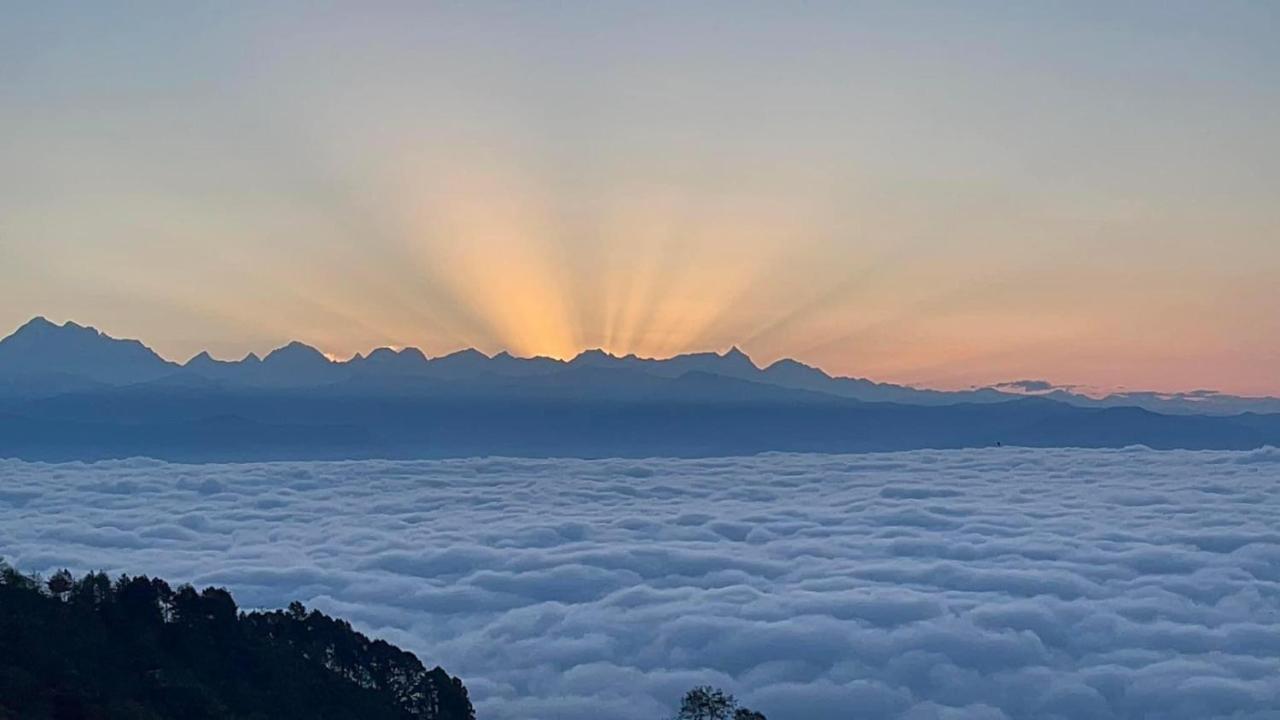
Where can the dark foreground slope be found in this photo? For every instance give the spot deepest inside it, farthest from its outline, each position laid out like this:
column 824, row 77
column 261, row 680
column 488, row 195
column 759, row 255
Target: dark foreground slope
column 137, row 649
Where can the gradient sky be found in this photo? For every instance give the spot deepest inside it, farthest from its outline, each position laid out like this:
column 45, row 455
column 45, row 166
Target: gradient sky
column 943, row 194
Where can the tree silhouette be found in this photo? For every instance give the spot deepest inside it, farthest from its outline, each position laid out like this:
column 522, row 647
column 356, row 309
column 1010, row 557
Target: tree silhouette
column 709, row 703
column 137, row 649
column 60, row 584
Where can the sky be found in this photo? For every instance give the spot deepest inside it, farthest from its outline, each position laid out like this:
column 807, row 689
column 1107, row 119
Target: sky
column 942, row 194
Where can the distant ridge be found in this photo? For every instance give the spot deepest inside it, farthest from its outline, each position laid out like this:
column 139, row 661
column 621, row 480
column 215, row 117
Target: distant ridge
column 43, row 358
column 296, row 404
column 40, row 349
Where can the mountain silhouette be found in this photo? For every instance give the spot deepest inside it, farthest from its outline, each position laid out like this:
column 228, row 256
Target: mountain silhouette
column 297, row 364
column 72, row 392
column 386, row 361
column 44, row 358
column 733, row 363
column 71, row 354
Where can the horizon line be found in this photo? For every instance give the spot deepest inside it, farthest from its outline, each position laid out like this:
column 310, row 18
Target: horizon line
column 1008, row 387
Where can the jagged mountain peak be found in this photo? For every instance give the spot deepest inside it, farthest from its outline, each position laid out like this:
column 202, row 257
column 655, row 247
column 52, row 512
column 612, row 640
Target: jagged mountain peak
column 734, row 355
column 200, row 359
column 593, row 355
column 39, row 323
column 40, row 348
column 414, row 353
column 399, row 361
column 795, row 368
column 41, row 327
column 463, row 354
column 296, row 351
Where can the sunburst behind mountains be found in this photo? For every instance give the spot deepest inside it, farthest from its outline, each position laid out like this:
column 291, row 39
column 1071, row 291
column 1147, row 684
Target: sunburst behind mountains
column 44, row 358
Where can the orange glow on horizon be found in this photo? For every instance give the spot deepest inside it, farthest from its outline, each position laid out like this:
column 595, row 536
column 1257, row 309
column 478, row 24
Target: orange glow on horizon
column 661, row 280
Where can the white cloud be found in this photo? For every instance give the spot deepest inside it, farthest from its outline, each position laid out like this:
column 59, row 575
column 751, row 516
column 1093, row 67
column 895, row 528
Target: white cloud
column 997, row 584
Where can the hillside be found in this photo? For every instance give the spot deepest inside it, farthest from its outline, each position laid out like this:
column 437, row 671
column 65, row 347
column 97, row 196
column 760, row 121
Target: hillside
column 137, row 649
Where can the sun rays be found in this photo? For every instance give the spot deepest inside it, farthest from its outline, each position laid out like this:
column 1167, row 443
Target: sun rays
column 653, row 277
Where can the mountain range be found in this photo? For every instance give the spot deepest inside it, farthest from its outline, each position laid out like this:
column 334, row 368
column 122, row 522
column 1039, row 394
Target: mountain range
column 42, row 358
column 72, row 392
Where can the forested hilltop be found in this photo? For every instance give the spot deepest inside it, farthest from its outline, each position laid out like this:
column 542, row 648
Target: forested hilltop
column 137, row 649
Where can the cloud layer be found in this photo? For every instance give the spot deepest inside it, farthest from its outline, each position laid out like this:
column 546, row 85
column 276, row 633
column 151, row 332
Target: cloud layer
column 1001, row 584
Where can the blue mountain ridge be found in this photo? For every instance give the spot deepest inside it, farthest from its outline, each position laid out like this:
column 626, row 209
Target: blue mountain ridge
column 71, row 392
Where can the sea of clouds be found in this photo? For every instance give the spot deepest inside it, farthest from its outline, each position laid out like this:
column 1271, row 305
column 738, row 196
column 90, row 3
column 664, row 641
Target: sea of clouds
column 983, row 584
